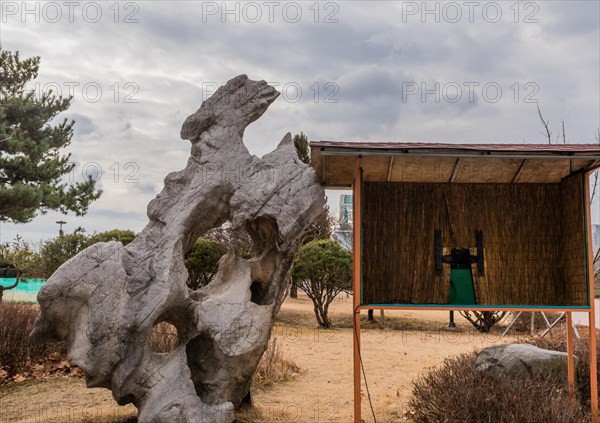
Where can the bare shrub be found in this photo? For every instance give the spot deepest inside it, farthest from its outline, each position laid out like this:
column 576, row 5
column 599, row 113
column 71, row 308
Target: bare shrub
column 454, row 392
column 557, row 341
column 17, row 353
column 483, row 321
column 274, row 367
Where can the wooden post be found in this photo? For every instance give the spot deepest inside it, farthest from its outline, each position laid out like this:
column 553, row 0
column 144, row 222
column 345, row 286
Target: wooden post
column 593, row 363
column 570, row 359
column 356, row 288
column 592, row 312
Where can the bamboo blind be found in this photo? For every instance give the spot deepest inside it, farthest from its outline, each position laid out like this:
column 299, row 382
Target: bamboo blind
column 534, row 240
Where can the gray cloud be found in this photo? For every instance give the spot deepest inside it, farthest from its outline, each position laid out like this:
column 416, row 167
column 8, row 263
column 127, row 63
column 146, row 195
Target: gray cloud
column 84, row 125
column 368, row 56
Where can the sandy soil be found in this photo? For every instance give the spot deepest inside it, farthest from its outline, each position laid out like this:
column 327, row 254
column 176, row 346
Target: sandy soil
column 392, row 357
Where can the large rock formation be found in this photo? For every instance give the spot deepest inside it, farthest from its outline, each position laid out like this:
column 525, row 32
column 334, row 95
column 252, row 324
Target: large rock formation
column 105, row 301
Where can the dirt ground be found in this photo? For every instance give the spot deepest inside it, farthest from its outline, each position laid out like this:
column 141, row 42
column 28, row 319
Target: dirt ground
column 410, row 343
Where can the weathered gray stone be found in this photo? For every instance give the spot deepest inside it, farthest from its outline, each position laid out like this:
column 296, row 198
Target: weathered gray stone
column 522, row 360
column 105, row 301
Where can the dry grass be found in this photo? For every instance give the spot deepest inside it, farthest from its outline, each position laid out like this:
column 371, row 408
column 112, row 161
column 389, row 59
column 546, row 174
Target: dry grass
column 163, row 338
column 274, row 367
column 454, row 393
column 300, row 319
column 60, row 400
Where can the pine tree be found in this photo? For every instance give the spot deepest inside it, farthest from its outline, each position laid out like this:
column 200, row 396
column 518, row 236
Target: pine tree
column 31, row 162
column 323, row 269
column 302, row 148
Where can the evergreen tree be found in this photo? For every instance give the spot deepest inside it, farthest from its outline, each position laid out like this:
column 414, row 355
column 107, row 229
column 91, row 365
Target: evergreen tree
column 202, row 261
column 31, row 163
column 124, row 236
column 301, row 144
column 56, row 251
column 323, row 269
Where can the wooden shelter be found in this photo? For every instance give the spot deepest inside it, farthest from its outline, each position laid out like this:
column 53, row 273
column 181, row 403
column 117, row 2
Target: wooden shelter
column 468, row 227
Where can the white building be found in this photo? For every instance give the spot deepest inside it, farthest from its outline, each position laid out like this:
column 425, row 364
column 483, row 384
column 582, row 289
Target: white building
column 343, row 233
column 345, row 211
column 595, row 236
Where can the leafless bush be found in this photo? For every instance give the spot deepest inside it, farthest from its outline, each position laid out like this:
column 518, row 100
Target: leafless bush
column 556, row 340
column 455, row 393
column 483, row 321
column 16, row 351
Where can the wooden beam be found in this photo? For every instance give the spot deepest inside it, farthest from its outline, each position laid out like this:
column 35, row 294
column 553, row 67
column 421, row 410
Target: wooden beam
column 330, row 151
column 457, row 165
column 518, row 172
column 595, row 164
column 389, row 177
column 356, row 276
column 476, row 307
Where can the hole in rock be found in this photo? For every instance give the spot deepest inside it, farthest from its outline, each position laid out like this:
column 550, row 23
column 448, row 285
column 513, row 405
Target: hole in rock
column 163, row 338
column 258, row 293
column 202, row 258
column 203, row 360
column 210, row 367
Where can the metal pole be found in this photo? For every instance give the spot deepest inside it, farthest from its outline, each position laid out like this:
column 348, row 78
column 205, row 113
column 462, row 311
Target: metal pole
column 60, row 229
column 512, row 323
column 451, row 324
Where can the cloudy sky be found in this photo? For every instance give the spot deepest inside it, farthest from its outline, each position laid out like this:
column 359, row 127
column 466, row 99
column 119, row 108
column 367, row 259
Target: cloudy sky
column 348, row 70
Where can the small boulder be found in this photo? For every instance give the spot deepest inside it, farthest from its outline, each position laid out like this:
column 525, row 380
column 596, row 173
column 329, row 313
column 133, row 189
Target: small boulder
column 523, row 360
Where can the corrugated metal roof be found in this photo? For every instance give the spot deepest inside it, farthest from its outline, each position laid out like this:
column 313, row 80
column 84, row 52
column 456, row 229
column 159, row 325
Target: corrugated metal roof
column 508, row 148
